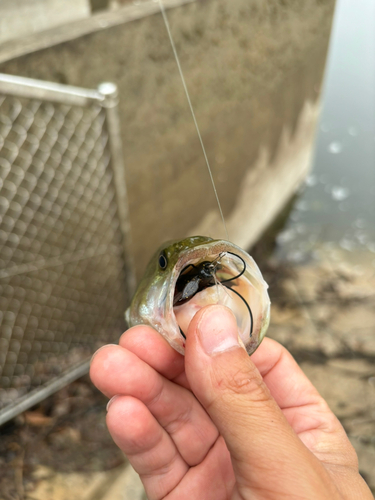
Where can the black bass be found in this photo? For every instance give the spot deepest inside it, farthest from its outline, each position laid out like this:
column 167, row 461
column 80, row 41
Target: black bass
column 184, row 276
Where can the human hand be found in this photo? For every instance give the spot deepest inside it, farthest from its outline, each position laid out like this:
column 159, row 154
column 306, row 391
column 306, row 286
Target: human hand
column 219, row 425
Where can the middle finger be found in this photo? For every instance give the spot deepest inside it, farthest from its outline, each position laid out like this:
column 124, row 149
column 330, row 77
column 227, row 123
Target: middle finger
column 115, row 370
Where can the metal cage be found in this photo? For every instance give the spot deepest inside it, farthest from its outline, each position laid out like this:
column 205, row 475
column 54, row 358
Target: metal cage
column 65, row 265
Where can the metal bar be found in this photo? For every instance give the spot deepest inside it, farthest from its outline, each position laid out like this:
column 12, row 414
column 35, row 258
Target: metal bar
column 47, row 91
column 110, row 104
column 39, row 394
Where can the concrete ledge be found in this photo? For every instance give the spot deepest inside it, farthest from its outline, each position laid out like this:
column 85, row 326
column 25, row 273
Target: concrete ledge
column 97, row 22
column 22, row 17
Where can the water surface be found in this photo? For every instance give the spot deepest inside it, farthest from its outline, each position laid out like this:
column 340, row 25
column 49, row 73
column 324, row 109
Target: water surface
column 337, row 206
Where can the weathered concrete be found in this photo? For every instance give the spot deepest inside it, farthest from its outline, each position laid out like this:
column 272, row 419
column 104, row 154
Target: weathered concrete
column 21, row 17
column 268, row 183
column 251, row 67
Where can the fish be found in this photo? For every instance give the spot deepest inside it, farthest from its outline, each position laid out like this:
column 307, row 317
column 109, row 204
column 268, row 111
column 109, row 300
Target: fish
column 184, row 276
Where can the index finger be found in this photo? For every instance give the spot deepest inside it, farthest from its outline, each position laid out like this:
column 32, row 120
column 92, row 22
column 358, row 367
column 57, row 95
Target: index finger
column 299, row 400
column 153, row 349
column 286, row 381
column 303, row 406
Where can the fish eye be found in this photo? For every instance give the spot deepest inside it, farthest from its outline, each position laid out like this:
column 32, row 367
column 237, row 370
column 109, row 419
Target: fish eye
column 163, row 261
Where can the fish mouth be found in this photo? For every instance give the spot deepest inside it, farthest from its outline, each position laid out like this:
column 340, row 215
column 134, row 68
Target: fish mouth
column 202, row 272
column 215, row 274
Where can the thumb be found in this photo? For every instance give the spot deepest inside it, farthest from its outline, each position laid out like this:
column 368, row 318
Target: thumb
column 227, row 383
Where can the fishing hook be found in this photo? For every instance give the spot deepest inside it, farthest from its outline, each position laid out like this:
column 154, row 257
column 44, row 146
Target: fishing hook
column 208, row 285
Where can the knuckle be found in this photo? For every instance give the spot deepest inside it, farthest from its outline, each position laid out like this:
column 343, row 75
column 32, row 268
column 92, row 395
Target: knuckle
column 178, row 423
column 245, row 381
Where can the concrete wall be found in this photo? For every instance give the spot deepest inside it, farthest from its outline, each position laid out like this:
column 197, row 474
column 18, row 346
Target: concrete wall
column 22, row 17
column 254, row 70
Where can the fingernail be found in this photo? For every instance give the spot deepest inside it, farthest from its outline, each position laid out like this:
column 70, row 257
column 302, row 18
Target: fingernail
column 217, row 330
column 111, row 401
column 100, row 348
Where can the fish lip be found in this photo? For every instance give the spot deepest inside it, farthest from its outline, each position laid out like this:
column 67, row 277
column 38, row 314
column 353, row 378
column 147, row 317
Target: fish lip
column 196, row 252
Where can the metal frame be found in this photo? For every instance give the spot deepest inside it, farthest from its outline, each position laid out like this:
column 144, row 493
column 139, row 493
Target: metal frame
column 109, row 100
column 37, row 395
column 47, row 91
column 107, row 96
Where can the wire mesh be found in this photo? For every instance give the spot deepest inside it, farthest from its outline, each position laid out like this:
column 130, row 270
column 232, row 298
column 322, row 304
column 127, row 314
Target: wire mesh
column 62, row 279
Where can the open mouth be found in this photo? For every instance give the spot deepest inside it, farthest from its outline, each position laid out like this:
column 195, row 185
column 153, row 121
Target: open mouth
column 219, row 279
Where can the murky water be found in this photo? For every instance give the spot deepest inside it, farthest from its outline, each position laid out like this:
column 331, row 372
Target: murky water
column 337, row 207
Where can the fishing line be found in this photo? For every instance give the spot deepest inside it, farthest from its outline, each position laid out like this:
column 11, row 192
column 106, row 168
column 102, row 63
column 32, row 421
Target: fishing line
column 164, row 14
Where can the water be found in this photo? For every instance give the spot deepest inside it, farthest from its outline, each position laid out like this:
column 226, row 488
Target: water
column 337, row 206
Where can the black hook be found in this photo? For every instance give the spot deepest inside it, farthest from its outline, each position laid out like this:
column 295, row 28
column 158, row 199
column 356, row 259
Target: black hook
column 207, row 285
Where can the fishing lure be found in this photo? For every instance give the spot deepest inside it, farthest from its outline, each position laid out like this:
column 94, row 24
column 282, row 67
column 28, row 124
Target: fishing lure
column 184, row 276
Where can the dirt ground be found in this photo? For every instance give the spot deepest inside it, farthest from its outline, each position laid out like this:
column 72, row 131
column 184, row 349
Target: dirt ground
column 323, row 312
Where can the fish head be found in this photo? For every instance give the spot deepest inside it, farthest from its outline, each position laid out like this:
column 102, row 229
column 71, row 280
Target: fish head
column 154, row 300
